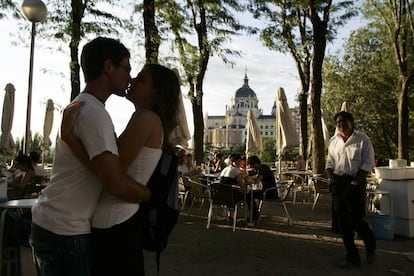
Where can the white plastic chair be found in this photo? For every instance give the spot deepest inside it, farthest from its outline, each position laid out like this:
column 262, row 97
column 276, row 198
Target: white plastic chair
column 281, row 186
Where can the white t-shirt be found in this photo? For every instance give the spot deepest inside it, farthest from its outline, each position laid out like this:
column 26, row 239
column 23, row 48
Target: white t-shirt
column 66, row 206
column 230, row 171
column 111, row 210
column 38, row 169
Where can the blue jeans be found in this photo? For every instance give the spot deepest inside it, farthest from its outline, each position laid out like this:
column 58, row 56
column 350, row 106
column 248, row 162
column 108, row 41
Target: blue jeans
column 60, row 255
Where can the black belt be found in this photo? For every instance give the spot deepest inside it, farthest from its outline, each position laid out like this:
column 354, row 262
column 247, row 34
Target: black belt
column 344, row 177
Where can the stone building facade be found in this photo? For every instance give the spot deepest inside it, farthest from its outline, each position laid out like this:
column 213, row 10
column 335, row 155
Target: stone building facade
column 230, row 130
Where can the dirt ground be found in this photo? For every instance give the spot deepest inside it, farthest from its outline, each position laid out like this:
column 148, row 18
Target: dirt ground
column 271, row 247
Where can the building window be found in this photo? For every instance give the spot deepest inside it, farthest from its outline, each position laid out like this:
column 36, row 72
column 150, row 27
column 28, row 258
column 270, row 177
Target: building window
column 266, row 133
column 266, row 127
column 271, row 133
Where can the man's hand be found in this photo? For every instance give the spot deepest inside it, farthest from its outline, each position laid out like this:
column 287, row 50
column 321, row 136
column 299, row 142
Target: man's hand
column 70, row 114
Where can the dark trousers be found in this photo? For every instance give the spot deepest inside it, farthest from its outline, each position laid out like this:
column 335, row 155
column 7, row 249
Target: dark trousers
column 349, row 207
column 256, row 195
column 60, row 255
column 118, row 250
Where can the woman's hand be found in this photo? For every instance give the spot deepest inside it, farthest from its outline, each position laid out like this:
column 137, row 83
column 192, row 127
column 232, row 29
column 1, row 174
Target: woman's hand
column 70, row 114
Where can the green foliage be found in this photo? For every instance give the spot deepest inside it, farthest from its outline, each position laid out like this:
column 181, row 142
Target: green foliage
column 397, row 17
column 303, row 28
column 268, row 153
column 97, row 17
column 199, row 29
column 367, row 79
column 8, row 7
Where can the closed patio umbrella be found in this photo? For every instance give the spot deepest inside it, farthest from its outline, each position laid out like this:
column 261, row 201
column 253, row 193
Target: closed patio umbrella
column 326, row 136
column 7, row 142
column 181, row 134
column 48, row 124
column 286, row 135
column 254, row 138
column 325, row 130
column 345, row 107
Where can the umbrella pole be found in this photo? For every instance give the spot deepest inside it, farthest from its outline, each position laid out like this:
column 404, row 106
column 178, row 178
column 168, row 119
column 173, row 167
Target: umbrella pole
column 43, row 158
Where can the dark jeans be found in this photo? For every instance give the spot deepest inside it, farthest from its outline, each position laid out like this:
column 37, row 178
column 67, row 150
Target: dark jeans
column 60, row 255
column 349, row 207
column 256, row 195
column 118, row 250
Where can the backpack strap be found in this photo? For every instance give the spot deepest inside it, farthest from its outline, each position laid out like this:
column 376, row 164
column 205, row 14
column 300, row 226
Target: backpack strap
column 157, row 258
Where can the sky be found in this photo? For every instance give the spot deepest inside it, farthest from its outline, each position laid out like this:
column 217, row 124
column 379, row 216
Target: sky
column 267, row 71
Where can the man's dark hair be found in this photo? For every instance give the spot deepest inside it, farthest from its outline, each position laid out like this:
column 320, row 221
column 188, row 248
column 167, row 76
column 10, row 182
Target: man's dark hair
column 34, row 156
column 345, row 115
column 23, row 159
column 235, row 157
column 253, row 160
column 96, row 52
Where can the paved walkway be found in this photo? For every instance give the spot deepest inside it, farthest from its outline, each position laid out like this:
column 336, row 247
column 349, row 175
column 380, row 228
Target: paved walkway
column 272, row 247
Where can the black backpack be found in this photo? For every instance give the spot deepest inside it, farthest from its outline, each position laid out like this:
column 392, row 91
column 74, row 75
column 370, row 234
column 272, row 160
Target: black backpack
column 160, row 214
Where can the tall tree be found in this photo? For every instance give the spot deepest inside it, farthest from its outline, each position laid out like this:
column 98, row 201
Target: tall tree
column 365, row 76
column 288, row 30
column 210, row 24
column 303, row 28
column 397, row 16
column 71, row 21
column 152, row 37
column 325, row 18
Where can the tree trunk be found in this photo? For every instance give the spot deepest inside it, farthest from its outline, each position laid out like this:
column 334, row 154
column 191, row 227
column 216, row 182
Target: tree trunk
column 318, row 150
column 403, row 117
column 152, row 37
column 203, row 46
column 197, row 105
column 304, row 123
column 77, row 13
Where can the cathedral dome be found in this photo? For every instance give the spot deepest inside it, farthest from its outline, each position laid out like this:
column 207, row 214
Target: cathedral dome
column 245, row 91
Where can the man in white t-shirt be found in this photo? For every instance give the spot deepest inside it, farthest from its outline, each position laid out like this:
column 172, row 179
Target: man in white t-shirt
column 62, row 216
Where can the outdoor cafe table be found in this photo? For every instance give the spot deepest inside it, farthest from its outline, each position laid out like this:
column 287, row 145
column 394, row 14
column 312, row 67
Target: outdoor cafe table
column 251, row 188
column 19, row 205
column 301, row 173
column 209, row 177
column 304, row 174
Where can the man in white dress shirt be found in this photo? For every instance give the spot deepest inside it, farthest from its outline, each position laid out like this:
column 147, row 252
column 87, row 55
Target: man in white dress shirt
column 350, row 159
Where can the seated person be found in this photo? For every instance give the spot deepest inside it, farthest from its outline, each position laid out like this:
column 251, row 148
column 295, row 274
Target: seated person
column 187, row 168
column 35, row 158
column 180, row 152
column 243, row 163
column 14, row 172
column 232, row 175
column 264, row 175
column 20, row 186
column 218, row 165
column 212, row 161
column 300, row 163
